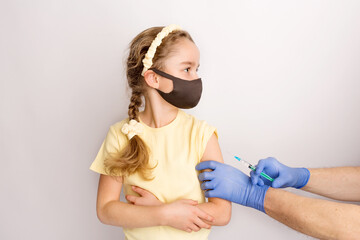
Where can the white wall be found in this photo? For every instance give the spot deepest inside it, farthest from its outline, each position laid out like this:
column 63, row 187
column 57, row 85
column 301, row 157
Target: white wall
column 281, row 78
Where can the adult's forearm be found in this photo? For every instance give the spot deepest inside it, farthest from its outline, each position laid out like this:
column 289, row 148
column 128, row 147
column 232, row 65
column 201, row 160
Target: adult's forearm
column 341, row 183
column 126, row 215
column 219, row 209
column 314, row 217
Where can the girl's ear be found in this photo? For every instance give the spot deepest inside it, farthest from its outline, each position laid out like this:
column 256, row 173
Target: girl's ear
column 151, row 79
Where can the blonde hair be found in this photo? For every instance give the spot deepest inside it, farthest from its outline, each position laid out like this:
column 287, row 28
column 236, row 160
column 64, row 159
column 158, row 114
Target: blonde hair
column 134, row 157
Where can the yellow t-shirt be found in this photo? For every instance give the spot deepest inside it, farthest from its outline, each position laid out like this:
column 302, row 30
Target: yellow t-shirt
column 176, row 149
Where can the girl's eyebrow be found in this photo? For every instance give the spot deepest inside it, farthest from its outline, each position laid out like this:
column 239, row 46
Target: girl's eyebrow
column 189, row 63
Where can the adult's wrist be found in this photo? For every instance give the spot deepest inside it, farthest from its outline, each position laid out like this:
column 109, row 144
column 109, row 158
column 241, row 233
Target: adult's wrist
column 269, row 199
column 257, row 197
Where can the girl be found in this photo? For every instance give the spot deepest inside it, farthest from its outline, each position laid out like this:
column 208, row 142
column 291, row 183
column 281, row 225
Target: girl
column 157, row 149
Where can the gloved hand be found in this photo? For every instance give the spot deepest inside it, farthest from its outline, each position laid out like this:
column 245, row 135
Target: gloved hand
column 283, row 176
column 231, row 184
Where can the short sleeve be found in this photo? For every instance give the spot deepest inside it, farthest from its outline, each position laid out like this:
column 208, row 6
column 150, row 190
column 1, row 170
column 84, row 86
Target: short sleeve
column 109, row 146
column 205, row 131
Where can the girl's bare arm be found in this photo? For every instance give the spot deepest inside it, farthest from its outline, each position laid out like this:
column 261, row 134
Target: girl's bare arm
column 219, row 208
column 181, row 214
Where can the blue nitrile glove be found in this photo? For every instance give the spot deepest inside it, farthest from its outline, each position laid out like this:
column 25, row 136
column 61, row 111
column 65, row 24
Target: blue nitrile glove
column 231, row 184
column 283, row 176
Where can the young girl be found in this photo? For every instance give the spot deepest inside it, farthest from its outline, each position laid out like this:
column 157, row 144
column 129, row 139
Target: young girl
column 153, row 153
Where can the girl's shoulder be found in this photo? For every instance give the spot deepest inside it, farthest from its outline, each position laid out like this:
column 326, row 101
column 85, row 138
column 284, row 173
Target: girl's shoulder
column 188, row 117
column 194, row 121
column 116, row 127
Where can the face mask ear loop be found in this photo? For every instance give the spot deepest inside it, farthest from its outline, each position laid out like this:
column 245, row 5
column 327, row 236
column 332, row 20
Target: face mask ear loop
column 163, row 74
column 168, row 76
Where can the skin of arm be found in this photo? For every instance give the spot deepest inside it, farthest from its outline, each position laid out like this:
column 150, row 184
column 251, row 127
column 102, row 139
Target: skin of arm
column 340, row 183
column 318, row 218
column 111, row 211
column 219, row 208
column 181, row 214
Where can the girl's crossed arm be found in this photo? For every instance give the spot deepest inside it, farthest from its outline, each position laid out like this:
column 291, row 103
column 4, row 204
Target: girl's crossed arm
column 181, row 214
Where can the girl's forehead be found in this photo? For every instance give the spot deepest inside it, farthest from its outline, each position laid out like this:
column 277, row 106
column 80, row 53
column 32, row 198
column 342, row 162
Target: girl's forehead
column 185, row 51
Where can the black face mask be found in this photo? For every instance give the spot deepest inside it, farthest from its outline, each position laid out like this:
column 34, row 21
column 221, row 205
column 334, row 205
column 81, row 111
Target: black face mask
column 185, row 94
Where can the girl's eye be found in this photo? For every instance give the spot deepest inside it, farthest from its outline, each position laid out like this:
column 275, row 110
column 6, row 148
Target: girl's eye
column 186, row 69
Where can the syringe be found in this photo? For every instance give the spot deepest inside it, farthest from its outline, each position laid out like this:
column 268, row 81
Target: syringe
column 254, row 168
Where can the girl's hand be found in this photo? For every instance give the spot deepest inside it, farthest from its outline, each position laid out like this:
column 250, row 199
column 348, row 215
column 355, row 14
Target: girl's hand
column 185, row 215
column 146, row 198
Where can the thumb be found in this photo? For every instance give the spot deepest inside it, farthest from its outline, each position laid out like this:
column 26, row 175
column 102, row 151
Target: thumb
column 260, row 166
column 206, row 165
column 254, row 177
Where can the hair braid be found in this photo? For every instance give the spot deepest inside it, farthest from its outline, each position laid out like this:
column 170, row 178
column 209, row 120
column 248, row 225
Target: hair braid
column 135, row 103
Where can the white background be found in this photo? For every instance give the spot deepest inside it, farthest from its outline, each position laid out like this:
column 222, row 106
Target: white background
column 281, row 78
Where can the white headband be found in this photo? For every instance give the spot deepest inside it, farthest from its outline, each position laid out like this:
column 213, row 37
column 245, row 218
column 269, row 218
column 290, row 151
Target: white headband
column 147, row 61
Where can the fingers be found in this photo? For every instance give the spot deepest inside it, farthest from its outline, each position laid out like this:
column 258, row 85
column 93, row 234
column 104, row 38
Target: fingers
column 198, row 217
column 280, row 182
column 275, row 183
column 260, row 166
column 197, row 225
column 207, row 165
column 201, row 224
column 266, row 163
column 131, row 198
column 189, row 201
column 194, row 227
column 203, row 215
column 140, row 190
column 254, row 177
column 206, row 176
column 207, row 185
column 260, row 182
column 211, row 194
